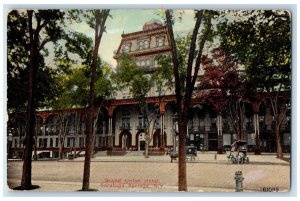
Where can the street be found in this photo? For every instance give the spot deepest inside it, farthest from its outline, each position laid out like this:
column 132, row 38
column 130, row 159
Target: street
column 208, row 173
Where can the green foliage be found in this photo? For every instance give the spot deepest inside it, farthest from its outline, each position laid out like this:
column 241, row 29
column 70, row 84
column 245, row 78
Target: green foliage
column 75, row 87
column 88, row 16
column 77, row 49
column 183, row 45
column 163, row 74
column 128, row 74
column 261, row 42
column 48, row 26
column 140, row 80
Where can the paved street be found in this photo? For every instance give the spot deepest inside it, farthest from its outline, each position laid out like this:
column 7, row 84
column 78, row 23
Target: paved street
column 208, row 173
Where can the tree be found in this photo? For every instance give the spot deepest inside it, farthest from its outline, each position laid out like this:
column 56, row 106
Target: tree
column 185, row 82
column 222, row 85
column 261, row 42
column 96, row 20
column 140, row 81
column 35, row 28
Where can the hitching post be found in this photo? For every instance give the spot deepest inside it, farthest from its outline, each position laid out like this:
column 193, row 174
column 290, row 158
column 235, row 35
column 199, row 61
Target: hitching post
column 239, row 181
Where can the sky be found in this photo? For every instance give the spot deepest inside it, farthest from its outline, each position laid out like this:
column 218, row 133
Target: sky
column 127, row 21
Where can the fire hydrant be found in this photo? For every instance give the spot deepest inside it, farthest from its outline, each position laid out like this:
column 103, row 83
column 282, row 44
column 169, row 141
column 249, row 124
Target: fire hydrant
column 239, row 181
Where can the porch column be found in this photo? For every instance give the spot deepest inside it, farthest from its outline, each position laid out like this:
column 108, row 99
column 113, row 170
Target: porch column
column 255, row 107
column 220, row 133
column 162, row 110
column 110, row 126
column 162, row 129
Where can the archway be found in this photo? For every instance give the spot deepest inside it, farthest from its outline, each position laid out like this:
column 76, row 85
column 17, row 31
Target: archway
column 125, row 139
column 141, row 141
column 157, row 139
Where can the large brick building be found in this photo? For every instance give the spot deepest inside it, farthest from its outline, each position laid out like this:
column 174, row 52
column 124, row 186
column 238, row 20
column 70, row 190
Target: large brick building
column 120, row 126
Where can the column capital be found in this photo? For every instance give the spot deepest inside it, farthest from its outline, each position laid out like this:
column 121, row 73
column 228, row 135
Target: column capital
column 255, row 106
column 110, row 110
column 162, row 108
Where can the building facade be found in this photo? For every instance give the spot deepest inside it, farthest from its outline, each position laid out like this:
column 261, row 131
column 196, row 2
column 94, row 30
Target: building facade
column 120, row 126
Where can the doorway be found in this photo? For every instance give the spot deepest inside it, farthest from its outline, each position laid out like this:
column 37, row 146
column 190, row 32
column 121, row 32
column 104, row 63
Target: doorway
column 142, row 142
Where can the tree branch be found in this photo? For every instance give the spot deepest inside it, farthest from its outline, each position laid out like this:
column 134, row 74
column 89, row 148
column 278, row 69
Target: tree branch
column 199, row 16
column 174, row 60
column 45, row 41
column 201, row 46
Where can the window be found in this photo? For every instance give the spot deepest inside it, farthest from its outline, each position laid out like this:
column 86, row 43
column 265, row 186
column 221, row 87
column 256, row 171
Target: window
column 126, row 48
column 213, row 123
column 101, row 142
column 201, row 122
column 148, row 62
column 81, row 142
column 70, row 142
column 51, row 142
column 100, row 126
column 40, row 132
column 125, row 119
column 142, row 63
column 141, row 45
column 142, row 121
column 40, row 142
column 146, row 44
column 192, row 137
column 45, row 142
column 160, row 42
column 157, row 122
column 47, row 130
column 16, row 143
column 225, row 122
column 155, row 63
column 56, row 142
column 126, row 96
column 261, row 118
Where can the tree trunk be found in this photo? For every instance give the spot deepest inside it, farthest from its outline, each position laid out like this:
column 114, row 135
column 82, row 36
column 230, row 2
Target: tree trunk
column 220, row 134
column 89, row 135
column 87, row 160
column 35, row 148
column 26, row 173
column 100, row 18
column 60, row 151
column 147, row 150
column 238, row 135
column 182, row 182
column 279, row 153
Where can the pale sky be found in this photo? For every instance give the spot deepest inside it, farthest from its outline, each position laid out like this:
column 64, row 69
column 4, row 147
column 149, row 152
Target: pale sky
column 127, row 21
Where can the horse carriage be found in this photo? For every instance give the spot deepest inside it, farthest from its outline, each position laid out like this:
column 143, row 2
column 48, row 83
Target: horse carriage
column 238, row 152
column 190, row 153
